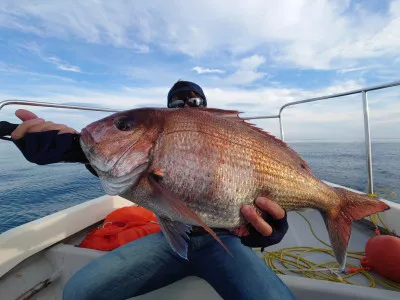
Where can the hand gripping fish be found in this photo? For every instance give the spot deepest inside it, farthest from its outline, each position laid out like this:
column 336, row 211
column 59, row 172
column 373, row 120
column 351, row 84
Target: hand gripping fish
column 199, row 166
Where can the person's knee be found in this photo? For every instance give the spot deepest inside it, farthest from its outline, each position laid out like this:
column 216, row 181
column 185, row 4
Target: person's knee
column 80, row 288
column 103, row 277
column 74, row 289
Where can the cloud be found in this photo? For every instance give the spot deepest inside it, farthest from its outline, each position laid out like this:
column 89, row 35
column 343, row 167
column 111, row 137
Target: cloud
column 63, row 65
column 306, row 34
column 35, row 49
column 247, row 71
column 91, row 21
column 347, row 70
column 15, row 69
column 201, row 70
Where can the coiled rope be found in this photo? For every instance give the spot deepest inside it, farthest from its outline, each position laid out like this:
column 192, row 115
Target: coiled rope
column 293, row 260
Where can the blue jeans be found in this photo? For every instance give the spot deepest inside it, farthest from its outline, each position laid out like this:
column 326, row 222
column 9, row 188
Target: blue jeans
column 149, row 263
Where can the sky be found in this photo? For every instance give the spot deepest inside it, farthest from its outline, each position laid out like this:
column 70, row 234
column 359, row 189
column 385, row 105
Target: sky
column 252, row 56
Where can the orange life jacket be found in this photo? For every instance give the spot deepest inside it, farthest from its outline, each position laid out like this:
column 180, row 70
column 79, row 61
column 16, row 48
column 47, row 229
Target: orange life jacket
column 121, row 226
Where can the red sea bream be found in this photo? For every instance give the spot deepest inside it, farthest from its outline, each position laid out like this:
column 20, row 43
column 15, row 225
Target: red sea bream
column 199, row 166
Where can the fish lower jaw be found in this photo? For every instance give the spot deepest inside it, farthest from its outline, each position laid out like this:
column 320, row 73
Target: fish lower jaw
column 98, row 164
column 117, row 186
column 113, row 189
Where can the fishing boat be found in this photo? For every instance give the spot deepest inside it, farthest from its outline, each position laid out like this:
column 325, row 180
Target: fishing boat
column 38, row 258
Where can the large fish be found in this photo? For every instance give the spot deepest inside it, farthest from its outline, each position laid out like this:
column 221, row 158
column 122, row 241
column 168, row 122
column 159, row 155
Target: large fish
column 199, row 166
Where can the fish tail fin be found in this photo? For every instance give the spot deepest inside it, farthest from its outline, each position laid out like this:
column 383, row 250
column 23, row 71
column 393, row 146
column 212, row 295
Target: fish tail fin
column 338, row 220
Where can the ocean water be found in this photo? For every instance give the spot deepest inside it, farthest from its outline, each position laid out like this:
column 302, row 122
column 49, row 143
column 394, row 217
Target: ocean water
column 29, row 191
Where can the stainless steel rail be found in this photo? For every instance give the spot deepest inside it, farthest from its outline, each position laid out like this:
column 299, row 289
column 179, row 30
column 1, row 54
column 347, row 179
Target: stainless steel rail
column 55, row 105
column 367, row 132
column 363, row 91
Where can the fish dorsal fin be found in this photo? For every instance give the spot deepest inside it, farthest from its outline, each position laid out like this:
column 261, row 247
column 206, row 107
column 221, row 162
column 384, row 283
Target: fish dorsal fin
column 234, row 115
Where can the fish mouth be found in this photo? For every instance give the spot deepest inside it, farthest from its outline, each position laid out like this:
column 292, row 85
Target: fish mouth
column 87, row 143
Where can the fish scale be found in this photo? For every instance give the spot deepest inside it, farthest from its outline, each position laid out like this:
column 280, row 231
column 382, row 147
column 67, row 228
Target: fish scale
column 198, row 190
column 199, row 166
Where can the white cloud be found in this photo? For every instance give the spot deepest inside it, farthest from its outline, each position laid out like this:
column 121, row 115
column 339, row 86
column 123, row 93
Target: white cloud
column 309, row 34
column 201, row 70
column 35, row 49
column 63, row 65
column 386, row 115
column 247, row 71
column 15, row 69
column 347, row 70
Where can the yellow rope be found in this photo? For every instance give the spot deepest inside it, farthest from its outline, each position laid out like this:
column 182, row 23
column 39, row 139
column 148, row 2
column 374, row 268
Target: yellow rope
column 374, row 216
column 293, row 260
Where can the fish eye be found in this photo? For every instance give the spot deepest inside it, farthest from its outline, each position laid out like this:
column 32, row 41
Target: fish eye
column 123, row 123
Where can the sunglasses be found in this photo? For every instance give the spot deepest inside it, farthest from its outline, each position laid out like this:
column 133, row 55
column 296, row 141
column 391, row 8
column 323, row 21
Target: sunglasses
column 192, row 102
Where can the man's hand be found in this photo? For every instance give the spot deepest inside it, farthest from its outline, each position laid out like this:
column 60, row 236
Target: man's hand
column 44, row 142
column 270, row 207
column 32, row 123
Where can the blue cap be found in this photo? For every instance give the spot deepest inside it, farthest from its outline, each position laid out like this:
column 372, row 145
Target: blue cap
column 186, row 86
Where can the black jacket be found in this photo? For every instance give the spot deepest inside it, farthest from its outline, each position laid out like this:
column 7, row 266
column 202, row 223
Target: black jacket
column 49, row 147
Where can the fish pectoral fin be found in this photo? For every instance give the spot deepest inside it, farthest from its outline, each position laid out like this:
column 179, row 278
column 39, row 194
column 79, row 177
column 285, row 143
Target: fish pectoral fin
column 176, row 235
column 169, row 202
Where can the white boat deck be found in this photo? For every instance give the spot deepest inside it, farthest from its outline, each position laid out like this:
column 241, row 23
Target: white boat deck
column 35, row 251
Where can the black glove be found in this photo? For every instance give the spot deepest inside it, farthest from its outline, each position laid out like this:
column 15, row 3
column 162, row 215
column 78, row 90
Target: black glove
column 49, row 147
column 256, row 239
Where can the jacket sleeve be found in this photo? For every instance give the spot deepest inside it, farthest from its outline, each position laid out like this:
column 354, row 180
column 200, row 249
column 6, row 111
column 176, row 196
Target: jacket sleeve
column 256, row 239
column 49, row 147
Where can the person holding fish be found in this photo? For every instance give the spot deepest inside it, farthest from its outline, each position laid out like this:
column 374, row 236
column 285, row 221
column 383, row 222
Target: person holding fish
column 150, row 263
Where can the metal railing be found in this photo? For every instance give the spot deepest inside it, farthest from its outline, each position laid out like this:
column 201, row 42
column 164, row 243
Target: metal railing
column 367, row 130
column 55, row 105
column 362, row 91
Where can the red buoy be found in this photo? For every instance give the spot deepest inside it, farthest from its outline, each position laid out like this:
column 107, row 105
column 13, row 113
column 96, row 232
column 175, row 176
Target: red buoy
column 382, row 255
